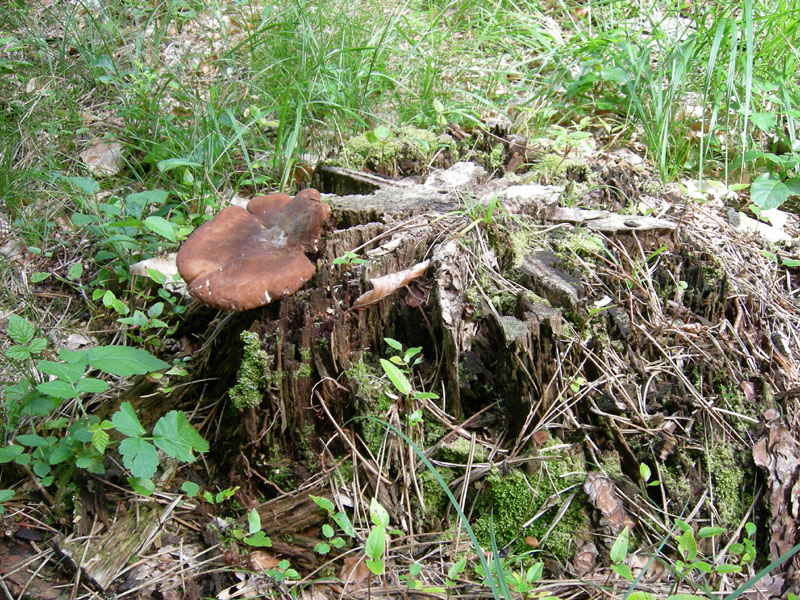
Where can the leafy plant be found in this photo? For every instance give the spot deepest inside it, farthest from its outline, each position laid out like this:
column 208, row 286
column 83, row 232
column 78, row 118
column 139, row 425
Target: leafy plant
column 45, row 384
column 340, row 518
column 376, row 540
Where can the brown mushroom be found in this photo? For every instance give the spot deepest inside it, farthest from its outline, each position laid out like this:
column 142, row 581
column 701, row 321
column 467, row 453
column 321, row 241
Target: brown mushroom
column 243, row 259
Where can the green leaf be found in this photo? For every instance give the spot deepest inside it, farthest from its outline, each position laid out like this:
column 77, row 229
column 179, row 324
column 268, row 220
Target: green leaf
column 707, row 532
column 18, row 353
column 36, row 345
column 59, row 455
column 190, row 488
column 32, row 440
column 75, row 271
column 124, row 361
column 323, row 503
column 686, row 597
column 100, row 440
column 38, row 277
column 396, row 377
column 343, row 521
column 619, row 549
column 253, row 521
column 376, row 566
column 139, row 456
column 645, row 472
column 337, row 542
column 457, row 568
column 376, row 542
column 623, row 571
column 383, row 133
column 6, row 495
column 162, row 227
column 90, row 385
column 378, row 514
column 175, row 435
column 768, row 192
column 394, row 344
column 727, row 569
column 258, row 539
column 58, row 389
column 145, row 487
column 126, row 421
column 85, row 184
column 20, row 330
column 9, row 453
column 765, row 121
column 641, row 596
column 174, row 163
column 322, row 548
column 535, row 572
column 62, row 371
column 327, row 531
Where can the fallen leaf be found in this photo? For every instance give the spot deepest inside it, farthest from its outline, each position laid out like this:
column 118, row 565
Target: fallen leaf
column 386, row 284
column 354, row 572
column 103, row 159
column 260, row 561
column 586, row 559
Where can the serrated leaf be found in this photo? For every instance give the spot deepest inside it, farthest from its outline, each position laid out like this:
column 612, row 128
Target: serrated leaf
column 36, row 345
column 100, row 440
column 619, row 549
column 20, row 330
column 139, row 456
column 90, row 385
column 162, row 227
column 253, row 521
column 18, row 353
column 396, row 376
column 126, row 421
column 9, row 453
column 378, row 514
column 62, row 371
column 124, row 361
column 376, row 542
column 58, row 389
column 32, row 440
column 174, row 435
column 59, row 455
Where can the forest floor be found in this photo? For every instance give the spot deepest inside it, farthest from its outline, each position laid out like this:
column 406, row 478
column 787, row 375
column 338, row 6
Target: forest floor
column 541, row 356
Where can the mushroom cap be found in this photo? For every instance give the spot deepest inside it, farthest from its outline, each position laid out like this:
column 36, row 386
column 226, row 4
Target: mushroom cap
column 243, row 259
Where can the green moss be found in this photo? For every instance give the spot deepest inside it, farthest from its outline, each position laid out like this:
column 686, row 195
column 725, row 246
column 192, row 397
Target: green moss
column 252, row 378
column 371, row 399
column 433, row 496
column 676, row 483
column 409, row 142
column 457, row 451
column 727, row 477
column 511, row 500
column 554, row 168
column 495, row 160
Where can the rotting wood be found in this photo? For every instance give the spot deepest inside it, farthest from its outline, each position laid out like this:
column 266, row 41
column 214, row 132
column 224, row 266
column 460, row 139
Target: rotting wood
column 102, row 557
